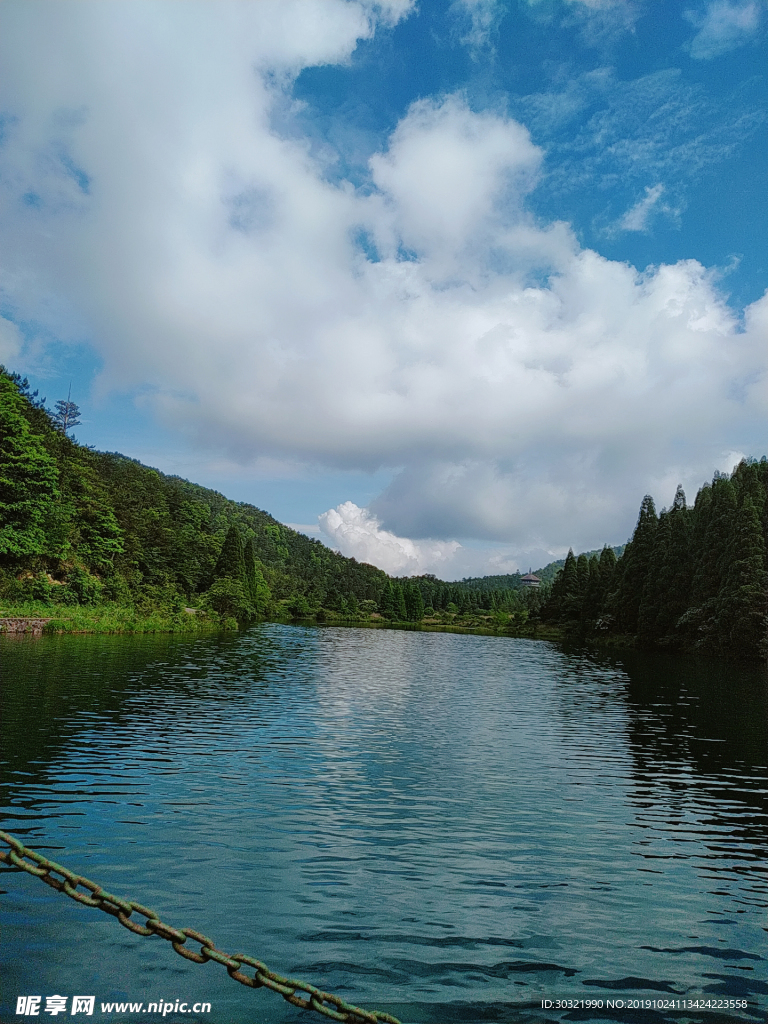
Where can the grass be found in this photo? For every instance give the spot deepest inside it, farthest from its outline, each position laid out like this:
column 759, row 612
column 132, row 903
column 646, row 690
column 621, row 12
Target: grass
column 111, row 618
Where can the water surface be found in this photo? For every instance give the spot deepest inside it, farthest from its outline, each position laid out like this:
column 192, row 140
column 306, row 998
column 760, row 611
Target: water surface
column 450, row 828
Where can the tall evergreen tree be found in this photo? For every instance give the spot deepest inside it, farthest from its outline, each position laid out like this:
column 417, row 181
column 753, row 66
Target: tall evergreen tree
column 592, row 600
column 231, row 560
column 718, row 515
column 414, row 603
column 636, row 563
column 656, row 583
column 676, row 571
column 564, row 591
column 742, row 619
column 398, row 603
column 387, row 601
column 607, row 566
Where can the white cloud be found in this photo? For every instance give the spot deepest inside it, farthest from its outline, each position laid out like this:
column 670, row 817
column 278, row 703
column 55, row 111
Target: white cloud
column 529, row 391
column 478, row 19
column 449, row 175
column 724, row 25
column 638, row 217
column 10, row 342
column 358, row 534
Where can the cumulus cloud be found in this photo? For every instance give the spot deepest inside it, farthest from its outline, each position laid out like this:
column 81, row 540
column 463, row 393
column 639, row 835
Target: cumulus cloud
column 359, row 534
column 724, row 25
column 527, row 391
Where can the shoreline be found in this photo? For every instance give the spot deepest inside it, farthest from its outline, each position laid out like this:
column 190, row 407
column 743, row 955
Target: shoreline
column 117, row 619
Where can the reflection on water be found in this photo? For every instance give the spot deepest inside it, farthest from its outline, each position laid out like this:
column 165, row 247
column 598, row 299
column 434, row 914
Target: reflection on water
column 446, row 827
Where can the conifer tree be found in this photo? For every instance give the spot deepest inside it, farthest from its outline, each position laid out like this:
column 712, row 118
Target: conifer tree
column 387, row 601
column 231, row 560
column 636, row 563
column 656, row 585
column 414, row 603
column 563, row 591
column 718, row 514
column 398, row 603
column 675, row 571
column 575, row 604
column 607, row 567
column 742, row 623
column 590, row 605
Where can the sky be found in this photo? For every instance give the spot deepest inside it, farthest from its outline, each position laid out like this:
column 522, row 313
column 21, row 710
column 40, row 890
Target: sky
column 448, row 285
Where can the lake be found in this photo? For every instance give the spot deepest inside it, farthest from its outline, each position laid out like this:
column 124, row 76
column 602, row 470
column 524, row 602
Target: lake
column 448, row 828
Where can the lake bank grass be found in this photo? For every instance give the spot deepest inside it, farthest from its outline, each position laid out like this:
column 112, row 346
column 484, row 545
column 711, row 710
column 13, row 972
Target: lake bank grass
column 111, row 618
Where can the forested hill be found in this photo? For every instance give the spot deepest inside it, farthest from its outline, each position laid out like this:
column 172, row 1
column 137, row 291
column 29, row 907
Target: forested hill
column 78, row 526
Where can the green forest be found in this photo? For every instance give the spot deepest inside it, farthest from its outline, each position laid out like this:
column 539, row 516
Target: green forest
column 691, row 578
column 96, row 540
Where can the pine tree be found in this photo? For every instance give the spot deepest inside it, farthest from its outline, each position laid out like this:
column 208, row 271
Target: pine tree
column 66, row 415
column 635, row 563
column 607, row 566
column 387, row 601
column 231, row 560
column 590, row 605
column 564, row 589
column 414, row 603
column 575, row 604
column 741, row 618
column 718, row 514
column 398, row 603
column 656, row 585
column 675, row 571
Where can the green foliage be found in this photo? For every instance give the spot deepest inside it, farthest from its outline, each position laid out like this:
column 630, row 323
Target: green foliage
column 258, row 591
column 28, row 480
column 231, row 560
column 228, row 597
column 414, row 603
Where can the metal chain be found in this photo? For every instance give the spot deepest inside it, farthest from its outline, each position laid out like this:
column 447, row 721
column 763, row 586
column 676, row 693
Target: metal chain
column 19, row 857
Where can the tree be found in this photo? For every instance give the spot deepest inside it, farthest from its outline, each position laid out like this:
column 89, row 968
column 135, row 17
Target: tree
column 228, row 597
column 258, row 591
column 66, row 415
column 387, row 601
column 634, row 566
column 231, row 560
column 28, row 479
column 564, row 591
column 741, row 612
column 414, row 603
column 399, row 613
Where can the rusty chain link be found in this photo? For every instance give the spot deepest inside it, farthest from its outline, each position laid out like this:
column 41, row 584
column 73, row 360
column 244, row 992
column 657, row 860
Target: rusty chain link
column 19, row 857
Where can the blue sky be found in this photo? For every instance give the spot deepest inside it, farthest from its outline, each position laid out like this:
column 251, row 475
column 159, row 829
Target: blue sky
column 451, row 285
